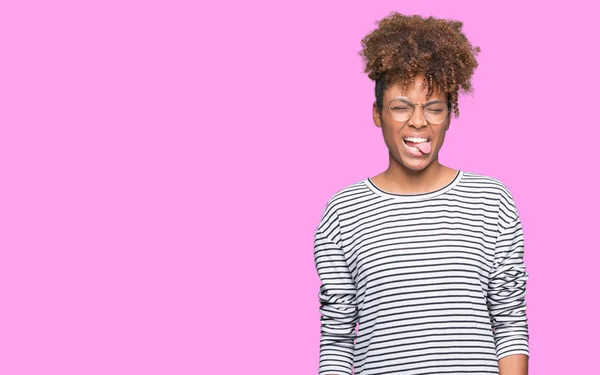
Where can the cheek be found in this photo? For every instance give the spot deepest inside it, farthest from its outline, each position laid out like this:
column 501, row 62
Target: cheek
column 440, row 134
column 441, row 137
column 391, row 137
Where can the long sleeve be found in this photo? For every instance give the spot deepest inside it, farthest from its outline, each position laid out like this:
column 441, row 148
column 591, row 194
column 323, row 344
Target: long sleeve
column 506, row 294
column 337, row 297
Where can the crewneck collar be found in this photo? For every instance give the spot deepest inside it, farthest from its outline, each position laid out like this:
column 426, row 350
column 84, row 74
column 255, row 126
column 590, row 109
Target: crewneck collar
column 414, row 197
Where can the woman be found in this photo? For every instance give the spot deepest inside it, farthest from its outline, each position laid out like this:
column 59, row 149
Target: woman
column 427, row 259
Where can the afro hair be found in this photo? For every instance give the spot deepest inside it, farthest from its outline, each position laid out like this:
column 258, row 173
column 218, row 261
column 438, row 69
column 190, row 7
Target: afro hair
column 403, row 46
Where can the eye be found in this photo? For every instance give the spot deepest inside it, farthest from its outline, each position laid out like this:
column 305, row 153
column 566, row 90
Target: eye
column 400, row 109
column 435, row 108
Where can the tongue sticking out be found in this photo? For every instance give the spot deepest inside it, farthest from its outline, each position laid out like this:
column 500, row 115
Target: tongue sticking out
column 424, row 147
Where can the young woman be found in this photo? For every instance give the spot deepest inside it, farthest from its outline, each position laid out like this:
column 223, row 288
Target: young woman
column 427, row 259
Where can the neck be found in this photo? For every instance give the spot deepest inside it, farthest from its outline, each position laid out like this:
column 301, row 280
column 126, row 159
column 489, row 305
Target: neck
column 409, row 181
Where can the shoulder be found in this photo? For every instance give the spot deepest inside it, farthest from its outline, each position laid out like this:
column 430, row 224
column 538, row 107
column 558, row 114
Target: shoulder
column 491, row 187
column 347, row 193
column 484, row 183
column 342, row 199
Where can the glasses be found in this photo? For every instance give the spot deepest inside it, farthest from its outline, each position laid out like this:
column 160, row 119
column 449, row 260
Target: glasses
column 402, row 109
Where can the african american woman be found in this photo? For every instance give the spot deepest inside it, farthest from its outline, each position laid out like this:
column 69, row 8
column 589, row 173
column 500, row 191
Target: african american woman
column 421, row 265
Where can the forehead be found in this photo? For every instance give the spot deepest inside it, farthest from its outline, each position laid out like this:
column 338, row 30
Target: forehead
column 415, row 91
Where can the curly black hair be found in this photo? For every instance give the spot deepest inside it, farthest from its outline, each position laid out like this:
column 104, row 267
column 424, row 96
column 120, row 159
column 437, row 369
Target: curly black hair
column 403, row 46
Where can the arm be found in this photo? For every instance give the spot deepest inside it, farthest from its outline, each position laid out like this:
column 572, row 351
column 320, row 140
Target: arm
column 337, row 306
column 515, row 364
column 506, row 301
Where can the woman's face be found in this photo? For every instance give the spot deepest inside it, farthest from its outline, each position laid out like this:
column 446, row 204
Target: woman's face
column 415, row 155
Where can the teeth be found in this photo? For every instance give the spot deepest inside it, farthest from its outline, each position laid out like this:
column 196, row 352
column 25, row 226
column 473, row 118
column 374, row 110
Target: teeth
column 416, row 140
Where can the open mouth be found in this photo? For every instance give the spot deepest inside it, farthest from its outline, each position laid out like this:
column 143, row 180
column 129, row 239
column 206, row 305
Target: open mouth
column 417, row 146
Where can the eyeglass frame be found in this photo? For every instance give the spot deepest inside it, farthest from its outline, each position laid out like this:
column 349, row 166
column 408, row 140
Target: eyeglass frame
column 412, row 112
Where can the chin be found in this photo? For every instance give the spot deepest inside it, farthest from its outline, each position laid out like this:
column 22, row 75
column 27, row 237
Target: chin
column 415, row 164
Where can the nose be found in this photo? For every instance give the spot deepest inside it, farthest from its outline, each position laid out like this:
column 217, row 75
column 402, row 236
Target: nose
column 417, row 119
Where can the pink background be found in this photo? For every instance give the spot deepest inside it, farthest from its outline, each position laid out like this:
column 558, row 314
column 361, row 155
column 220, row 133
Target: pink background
column 164, row 165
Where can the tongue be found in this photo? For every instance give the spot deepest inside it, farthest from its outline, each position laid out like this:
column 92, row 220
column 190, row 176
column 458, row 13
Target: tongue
column 424, row 147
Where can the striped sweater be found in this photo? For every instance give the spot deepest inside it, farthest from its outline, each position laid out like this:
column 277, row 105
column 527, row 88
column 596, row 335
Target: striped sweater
column 419, row 284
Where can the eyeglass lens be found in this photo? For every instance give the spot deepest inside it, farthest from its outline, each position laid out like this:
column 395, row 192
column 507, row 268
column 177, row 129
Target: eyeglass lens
column 401, row 110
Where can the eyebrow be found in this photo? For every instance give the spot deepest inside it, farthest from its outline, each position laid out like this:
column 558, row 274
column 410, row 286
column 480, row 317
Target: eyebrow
column 404, row 98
